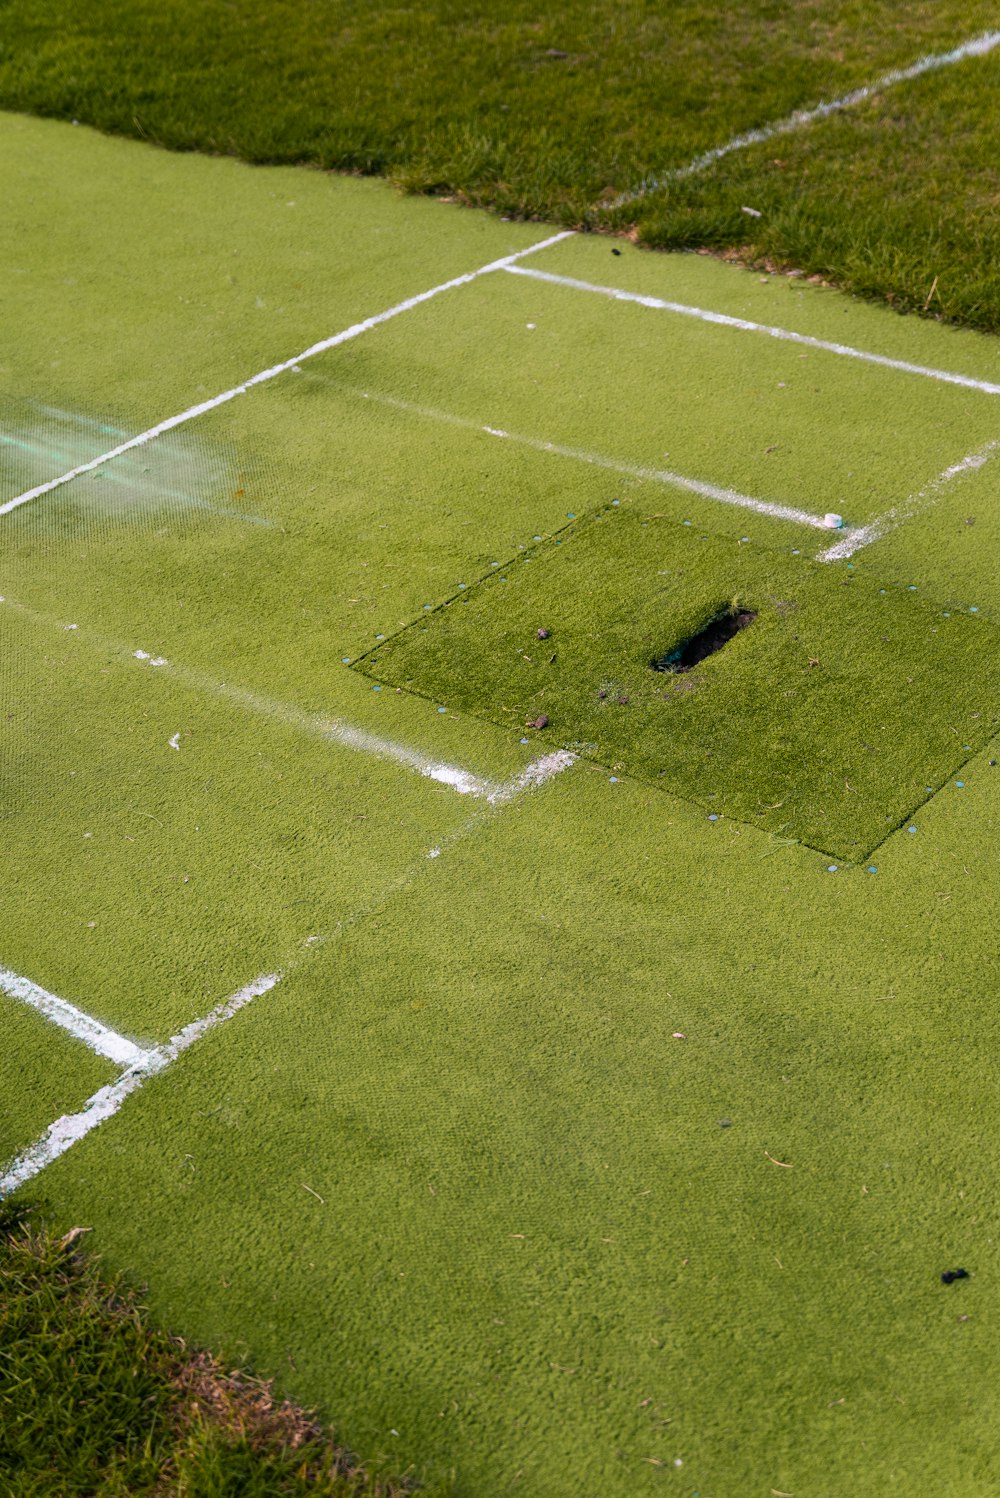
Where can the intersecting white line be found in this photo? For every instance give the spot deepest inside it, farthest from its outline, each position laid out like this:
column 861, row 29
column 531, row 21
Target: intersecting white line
column 103, row 1104
column 703, row 314
column 978, row 46
column 277, row 369
column 81, row 1026
column 863, row 535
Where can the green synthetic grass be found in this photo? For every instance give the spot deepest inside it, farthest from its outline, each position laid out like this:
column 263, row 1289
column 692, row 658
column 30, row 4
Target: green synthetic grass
column 490, row 1175
column 551, row 116
column 95, row 1399
column 831, row 719
column 55, row 1073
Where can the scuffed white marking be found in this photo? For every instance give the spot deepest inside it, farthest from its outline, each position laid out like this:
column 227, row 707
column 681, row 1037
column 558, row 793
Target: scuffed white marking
column 863, row 535
column 71, row 626
column 598, row 460
column 348, row 735
column 175, row 742
column 75, row 1022
column 539, row 772
column 159, row 661
column 105, row 1103
column 977, row 47
column 845, row 350
column 462, row 781
column 434, row 853
column 269, row 374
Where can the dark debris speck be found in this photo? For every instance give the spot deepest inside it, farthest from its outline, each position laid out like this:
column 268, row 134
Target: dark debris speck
column 950, row 1275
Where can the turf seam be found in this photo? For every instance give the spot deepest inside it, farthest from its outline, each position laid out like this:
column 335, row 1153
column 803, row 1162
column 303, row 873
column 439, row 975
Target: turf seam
column 493, row 579
column 271, row 373
column 745, row 325
column 977, row 46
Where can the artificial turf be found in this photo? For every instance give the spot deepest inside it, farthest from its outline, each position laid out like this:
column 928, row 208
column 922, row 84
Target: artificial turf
column 553, row 115
column 610, row 1150
column 831, row 718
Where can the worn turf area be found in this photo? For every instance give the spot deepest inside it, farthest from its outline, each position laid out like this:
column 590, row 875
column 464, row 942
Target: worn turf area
column 831, row 717
column 586, row 1146
column 555, row 115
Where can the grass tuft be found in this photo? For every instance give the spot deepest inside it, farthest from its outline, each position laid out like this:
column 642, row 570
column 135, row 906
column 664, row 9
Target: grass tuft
column 553, row 114
column 95, row 1399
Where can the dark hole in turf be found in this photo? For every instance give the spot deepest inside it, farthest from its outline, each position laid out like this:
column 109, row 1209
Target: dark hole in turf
column 716, row 632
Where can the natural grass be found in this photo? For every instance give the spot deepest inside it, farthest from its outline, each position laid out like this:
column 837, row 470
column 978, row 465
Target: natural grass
column 95, row 1399
column 552, row 114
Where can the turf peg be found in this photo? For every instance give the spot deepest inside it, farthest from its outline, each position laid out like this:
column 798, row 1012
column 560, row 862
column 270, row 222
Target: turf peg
column 833, row 522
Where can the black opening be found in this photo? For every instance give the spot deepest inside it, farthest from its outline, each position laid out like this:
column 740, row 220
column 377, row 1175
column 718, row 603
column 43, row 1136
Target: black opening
column 718, row 631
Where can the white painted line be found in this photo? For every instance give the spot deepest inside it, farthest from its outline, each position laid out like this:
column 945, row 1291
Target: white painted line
column 84, row 1027
column 269, row 374
column 864, row 535
column 347, row 735
column 105, row 1103
column 539, row 772
column 846, row 351
column 597, row 460
column 978, row 46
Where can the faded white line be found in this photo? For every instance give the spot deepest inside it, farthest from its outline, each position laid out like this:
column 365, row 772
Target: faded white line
column 269, row 374
column 596, row 460
column 105, row 1103
column 539, row 772
column 978, row 46
column 845, row 350
column 332, row 730
column 75, row 1022
column 864, row 535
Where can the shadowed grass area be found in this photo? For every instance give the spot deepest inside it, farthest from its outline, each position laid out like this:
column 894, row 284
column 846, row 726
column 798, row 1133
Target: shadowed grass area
column 553, row 114
column 94, row 1399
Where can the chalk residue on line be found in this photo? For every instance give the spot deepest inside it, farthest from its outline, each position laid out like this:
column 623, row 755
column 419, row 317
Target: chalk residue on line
column 744, row 325
column 665, row 476
column 83, row 1027
column 264, row 375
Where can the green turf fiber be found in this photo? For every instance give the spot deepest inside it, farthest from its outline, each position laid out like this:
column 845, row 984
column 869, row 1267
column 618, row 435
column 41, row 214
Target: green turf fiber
column 45, row 1072
column 830, row 719
column 502, row 1056
column 488, row 1043
column 553, row 113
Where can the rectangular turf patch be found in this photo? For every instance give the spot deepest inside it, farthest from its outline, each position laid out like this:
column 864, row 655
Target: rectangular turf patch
column 765, row 687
